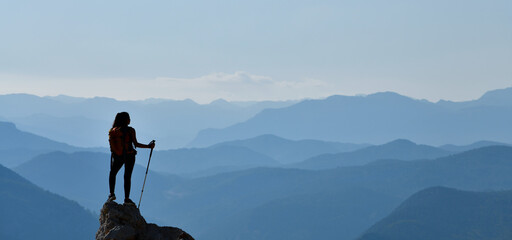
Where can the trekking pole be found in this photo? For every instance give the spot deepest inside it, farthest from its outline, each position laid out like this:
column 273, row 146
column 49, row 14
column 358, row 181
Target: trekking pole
column 150, row 153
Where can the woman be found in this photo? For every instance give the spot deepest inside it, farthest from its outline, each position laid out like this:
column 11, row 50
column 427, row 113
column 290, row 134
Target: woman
column 122, row 141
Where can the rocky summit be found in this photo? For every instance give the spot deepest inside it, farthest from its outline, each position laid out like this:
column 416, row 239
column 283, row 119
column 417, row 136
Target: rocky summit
column 124, row 222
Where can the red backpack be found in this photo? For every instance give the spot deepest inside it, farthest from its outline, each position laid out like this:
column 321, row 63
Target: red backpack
column 118, row 139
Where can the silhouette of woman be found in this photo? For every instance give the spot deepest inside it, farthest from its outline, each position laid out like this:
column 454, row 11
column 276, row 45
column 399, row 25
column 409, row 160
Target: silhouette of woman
column 122, row 139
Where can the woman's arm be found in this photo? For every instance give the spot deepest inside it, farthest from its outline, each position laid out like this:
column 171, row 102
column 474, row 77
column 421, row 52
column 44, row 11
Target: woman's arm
column 140, row 145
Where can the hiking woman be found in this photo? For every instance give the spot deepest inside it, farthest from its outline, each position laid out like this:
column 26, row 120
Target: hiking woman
column 123, row 142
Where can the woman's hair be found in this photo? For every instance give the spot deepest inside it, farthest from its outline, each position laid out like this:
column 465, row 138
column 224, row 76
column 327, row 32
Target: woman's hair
column 121, row 120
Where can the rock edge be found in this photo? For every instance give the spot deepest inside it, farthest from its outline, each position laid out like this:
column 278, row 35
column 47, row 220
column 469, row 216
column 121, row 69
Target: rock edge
column 124, row 222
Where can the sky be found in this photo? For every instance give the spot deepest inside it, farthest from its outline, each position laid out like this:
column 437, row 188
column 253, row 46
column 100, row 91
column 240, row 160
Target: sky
column 255, row 50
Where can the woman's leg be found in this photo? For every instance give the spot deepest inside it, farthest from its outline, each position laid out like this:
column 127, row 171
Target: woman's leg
column 114, row 168
column 128, row 169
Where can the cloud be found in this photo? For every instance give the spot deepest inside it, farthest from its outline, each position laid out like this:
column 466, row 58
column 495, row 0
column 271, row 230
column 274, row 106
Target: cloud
column 237, row 86
column 237, row 78
column 241, row 86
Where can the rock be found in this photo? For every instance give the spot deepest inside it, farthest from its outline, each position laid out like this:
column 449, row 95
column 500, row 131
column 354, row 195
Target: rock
column 124, row 222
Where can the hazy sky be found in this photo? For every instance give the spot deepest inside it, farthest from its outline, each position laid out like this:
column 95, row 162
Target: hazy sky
column 255, row 50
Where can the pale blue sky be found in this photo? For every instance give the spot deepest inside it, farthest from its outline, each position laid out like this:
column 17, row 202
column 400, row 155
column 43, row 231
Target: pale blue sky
column 255, row 50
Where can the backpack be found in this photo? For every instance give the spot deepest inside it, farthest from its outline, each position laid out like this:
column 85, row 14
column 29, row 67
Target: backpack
column 118, row 139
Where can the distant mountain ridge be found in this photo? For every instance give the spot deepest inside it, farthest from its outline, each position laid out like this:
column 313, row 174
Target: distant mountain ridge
column 29, row 212
column 378, row 118
column 447, row 214
column 288, row 151
column 261, row 151
column 17, row 147
column 400, row 149
column 479, row 144
column 85, row 121
column 374, row 119
column 498, row 97
column 12, row 138
column 208, row 161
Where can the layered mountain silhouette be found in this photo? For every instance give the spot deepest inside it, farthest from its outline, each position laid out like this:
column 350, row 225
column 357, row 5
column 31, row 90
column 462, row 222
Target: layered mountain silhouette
column 199, row 202
column 306, row 189
column 375, row 119
column 83, row 177
column 308, row 216
column 447, row 214
column 17, row 147
column 400, row 149
column 288, row 151
column 498, row 97
column 258, row 199
column 209, row 161
column 29, row 212
column 378, row 118
column 479, row 144
column 85, row 121
column 265, row 150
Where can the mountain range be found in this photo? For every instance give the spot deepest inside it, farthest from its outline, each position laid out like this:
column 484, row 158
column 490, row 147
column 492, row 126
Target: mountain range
column 400, row 149
column 266, row 150
column 250, row 199
column 290, row 172
column 199, row 202
column 371, row 119
column 273, row 203
column 378, row 118
column 479, row 144
column 17, row 147
column 83, row 177
column 273, row 151
column 287, row 151
column 209, row 161
column 261, row 151
column 85, row 121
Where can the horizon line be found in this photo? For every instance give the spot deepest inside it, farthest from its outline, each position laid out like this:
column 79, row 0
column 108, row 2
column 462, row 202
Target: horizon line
column 240, row 101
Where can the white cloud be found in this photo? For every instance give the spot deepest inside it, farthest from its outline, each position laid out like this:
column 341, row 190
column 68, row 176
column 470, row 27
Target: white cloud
column 240, row 86
column 237, row 78
column 237, row 86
